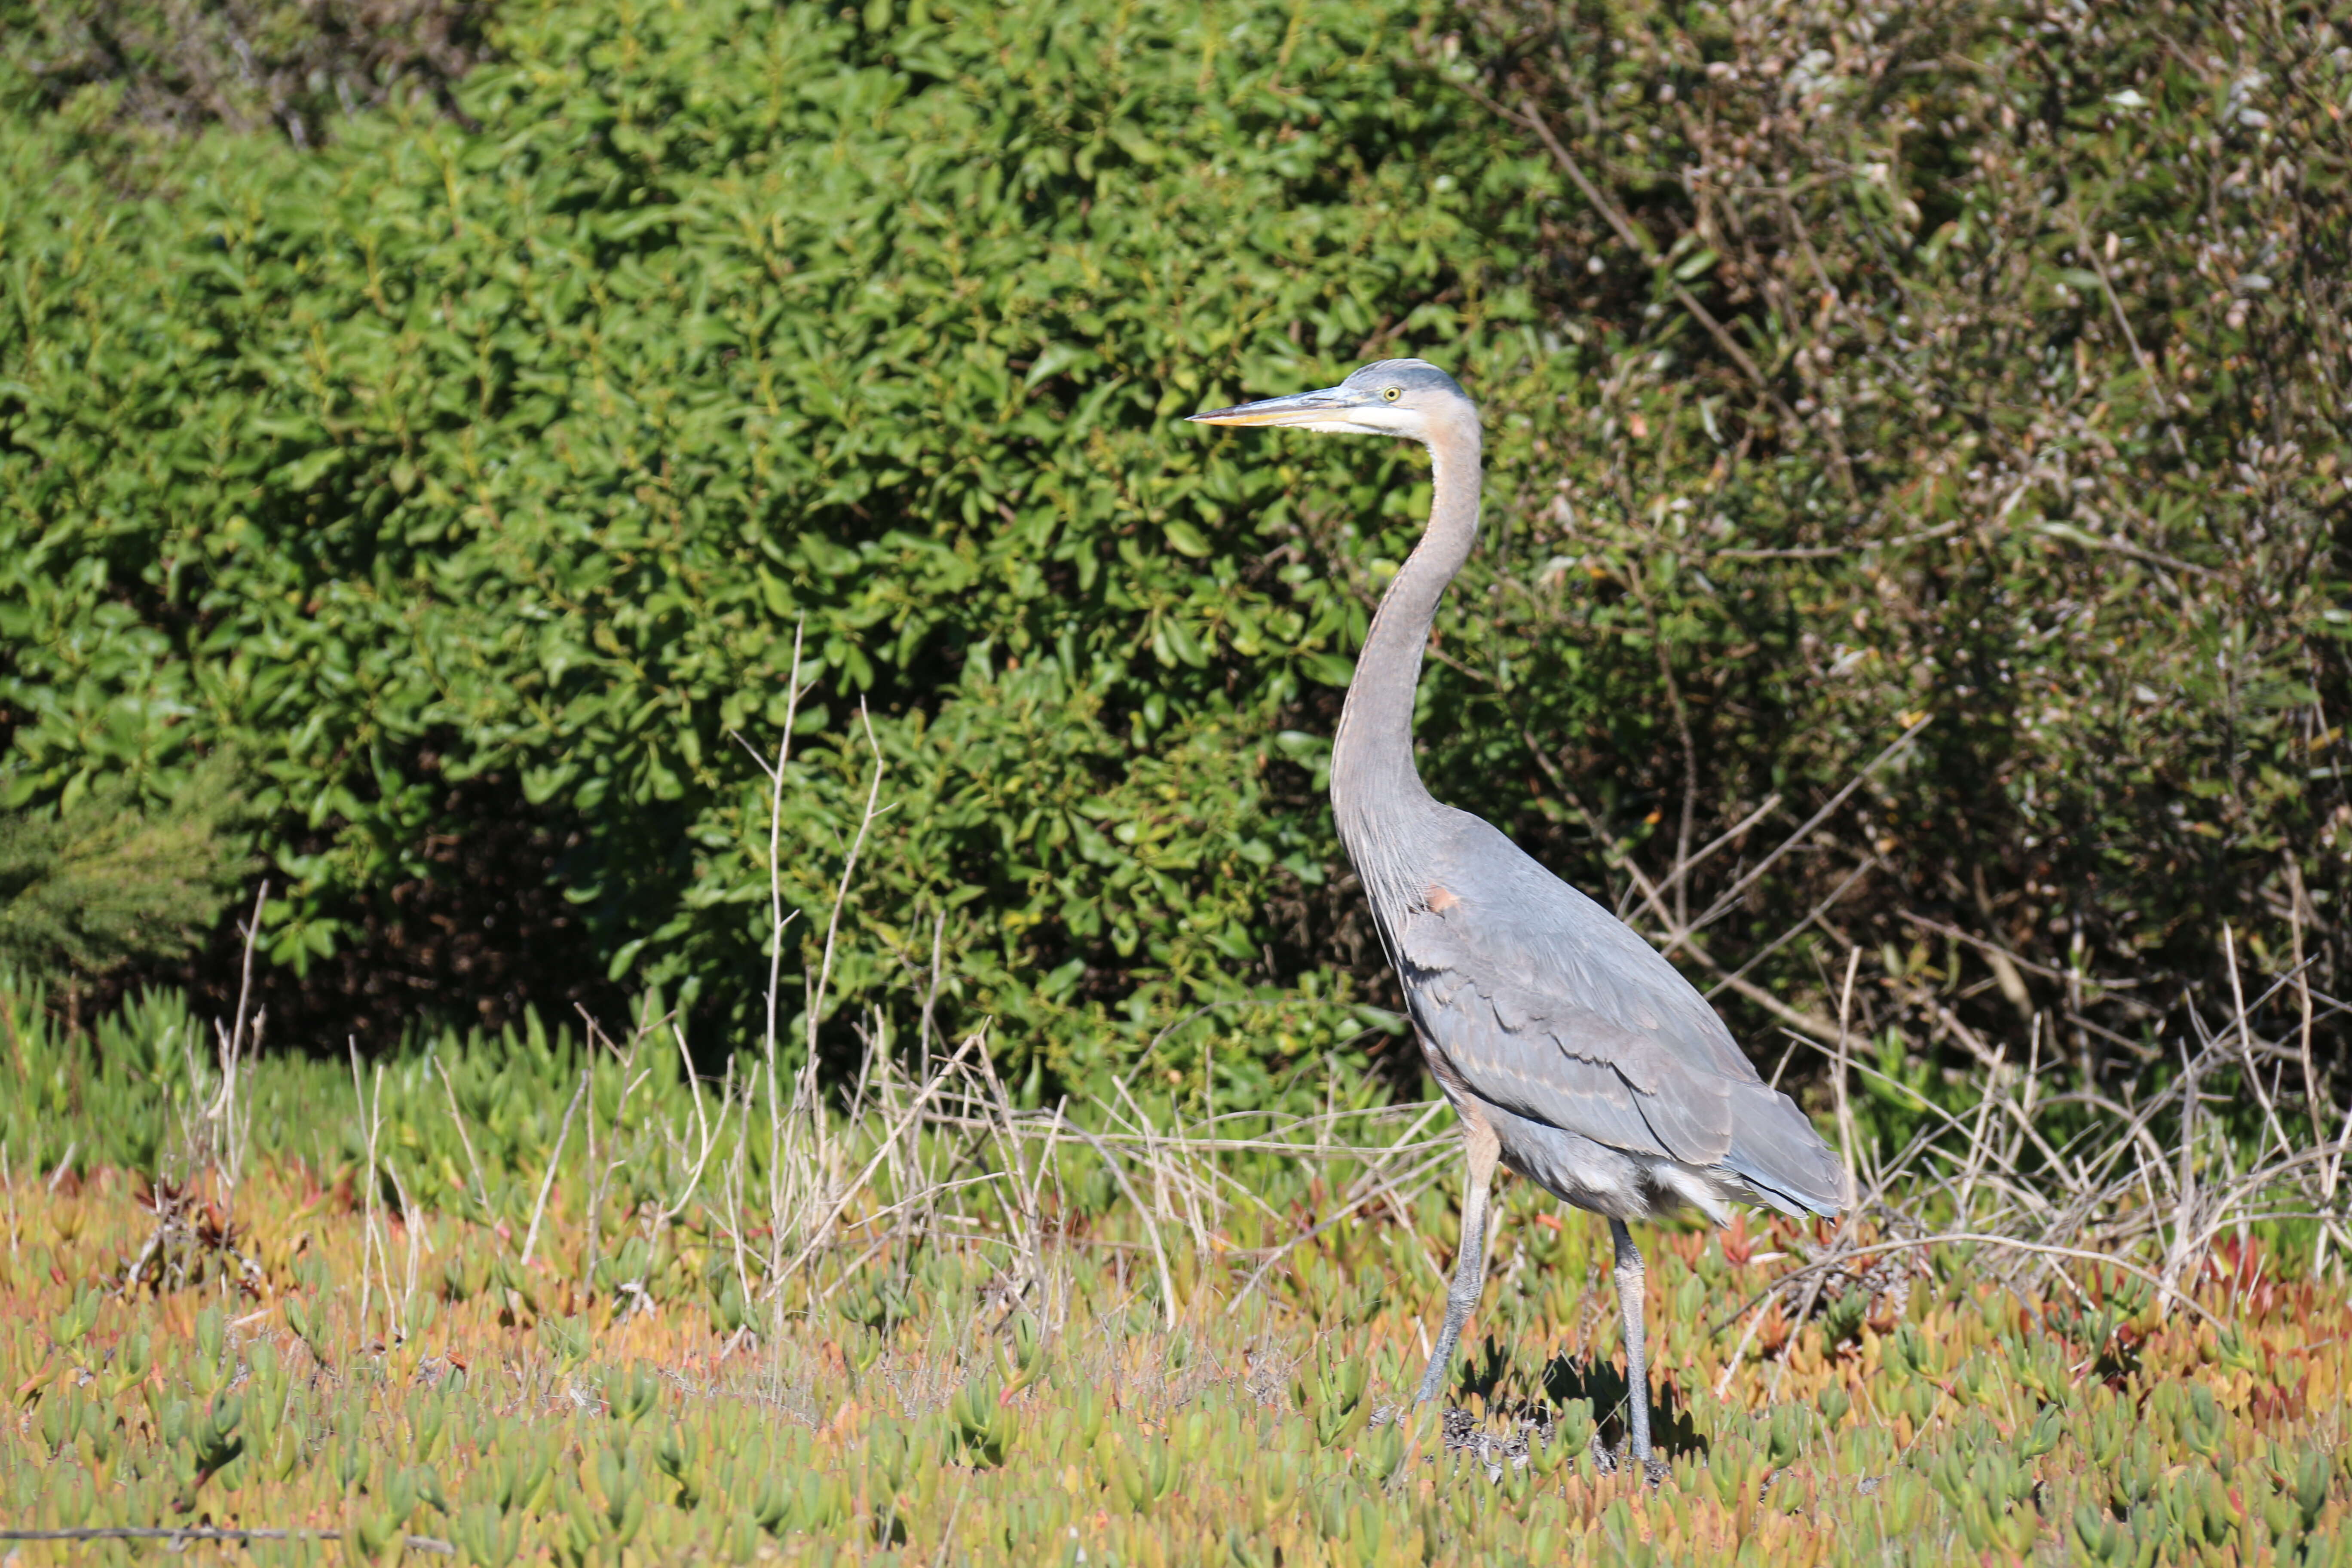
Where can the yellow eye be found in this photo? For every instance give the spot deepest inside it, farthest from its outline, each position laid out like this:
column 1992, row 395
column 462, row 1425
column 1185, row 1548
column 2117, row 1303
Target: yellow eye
column 1389, row 394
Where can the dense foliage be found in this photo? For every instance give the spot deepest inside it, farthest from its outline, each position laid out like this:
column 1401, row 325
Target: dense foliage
column 1988, row 363
column 108, row 880
column 519, row 457
column 473, row 477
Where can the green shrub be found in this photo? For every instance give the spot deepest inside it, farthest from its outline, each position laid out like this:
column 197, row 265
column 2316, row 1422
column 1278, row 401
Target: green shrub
column 102, row 879
column 523, row 454
column 1986, row 363
column 463, row 478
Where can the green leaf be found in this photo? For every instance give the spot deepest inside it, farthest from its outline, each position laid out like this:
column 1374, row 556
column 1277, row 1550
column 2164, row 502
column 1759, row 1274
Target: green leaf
column 1329, row 669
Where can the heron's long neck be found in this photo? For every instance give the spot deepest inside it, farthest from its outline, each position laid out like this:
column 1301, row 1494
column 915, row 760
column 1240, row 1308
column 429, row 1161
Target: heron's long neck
column 1373, row 780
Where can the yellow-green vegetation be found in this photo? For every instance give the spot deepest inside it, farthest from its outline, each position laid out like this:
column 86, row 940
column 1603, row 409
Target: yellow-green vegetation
column 108, row 879
column 933, row 1401
column 540, row 1299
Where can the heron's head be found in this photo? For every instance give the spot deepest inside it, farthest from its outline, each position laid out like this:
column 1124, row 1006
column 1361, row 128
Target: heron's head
column 1409, row 397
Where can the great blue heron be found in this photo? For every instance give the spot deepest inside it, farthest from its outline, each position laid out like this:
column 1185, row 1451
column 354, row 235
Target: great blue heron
column 1573, row 1052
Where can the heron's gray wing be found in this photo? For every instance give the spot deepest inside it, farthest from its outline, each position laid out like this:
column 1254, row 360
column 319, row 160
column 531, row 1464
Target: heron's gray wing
column 1550, row 1006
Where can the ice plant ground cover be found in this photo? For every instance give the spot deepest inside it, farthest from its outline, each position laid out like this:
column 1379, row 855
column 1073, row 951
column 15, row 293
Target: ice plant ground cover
column 649, row 1319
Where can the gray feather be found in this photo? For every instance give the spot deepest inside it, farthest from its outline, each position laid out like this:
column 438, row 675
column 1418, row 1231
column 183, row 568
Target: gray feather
column 1550, row 1008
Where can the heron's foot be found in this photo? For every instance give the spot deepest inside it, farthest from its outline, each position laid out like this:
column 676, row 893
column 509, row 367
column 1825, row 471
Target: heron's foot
column 1652, row 1466
column 1612, row 1461
column 1455, row 1427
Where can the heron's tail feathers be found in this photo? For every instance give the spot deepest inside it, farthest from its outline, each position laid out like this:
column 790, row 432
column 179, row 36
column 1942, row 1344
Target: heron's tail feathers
column 1775, row 1151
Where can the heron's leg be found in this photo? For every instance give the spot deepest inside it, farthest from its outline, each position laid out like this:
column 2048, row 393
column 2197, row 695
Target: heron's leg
column 1630, row 1283
column 1482, row 1146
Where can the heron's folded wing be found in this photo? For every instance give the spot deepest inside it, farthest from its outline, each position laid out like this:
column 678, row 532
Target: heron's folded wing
column 1562, row 1075
column 1572, row 1070
column 1550, row 1006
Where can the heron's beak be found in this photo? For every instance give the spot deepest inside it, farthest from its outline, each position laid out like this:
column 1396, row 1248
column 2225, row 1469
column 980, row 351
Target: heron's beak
column 1298, row 408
